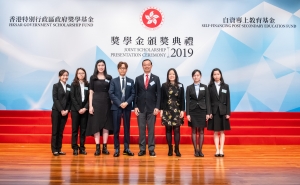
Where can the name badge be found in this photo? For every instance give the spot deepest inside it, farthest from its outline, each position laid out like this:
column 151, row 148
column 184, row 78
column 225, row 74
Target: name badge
column 86, row 88
column 68, row 89
column 202, row 88
column 179, row 85
column 224, row 91
column 107, row 80
column 152, row 83
column 128, row 83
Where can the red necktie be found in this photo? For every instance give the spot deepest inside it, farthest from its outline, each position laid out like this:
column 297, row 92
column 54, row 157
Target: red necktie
column 146, row 82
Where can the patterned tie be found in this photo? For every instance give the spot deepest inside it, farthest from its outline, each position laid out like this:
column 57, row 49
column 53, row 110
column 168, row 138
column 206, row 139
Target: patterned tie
column 123, row 90
column 146, row 82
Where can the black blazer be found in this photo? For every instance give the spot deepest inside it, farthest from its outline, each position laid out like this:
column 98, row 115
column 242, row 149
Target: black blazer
column 165, row 97
column 115, row 93
column 61, row 99
column 150, row 97
column 203, row 100
column 221, row 101
column 76, row 97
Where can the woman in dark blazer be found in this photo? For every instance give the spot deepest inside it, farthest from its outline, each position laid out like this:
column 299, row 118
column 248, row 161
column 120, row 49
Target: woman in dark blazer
column 172, row 109
column 79, row 108
column 197, row 110
column 60, row 109
column 220, row 105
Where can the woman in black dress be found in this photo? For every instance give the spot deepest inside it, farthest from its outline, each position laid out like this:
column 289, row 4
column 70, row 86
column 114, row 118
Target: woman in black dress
column 197, row 110
column 172, row 107
column 220, row 101
column 79, row 108
column 100, row 117
column 60, row 110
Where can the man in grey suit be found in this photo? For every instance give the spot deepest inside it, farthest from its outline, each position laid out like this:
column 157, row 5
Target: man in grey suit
column 147, row 103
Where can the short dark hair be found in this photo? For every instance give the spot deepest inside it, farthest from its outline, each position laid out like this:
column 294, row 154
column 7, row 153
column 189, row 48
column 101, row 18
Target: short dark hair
column 146, row 60
column 195, row 71
column 121, row 63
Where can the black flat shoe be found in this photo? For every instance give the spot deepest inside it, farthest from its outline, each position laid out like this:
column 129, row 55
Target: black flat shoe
column 196, row 154
column 128, row 152
column 201, row 154
column 217, row 155
column 83, row 152
column 75, row 152
column 152, row 153
column 141, row 153
column 61, row 153
column 55, row 154
column 221, row 155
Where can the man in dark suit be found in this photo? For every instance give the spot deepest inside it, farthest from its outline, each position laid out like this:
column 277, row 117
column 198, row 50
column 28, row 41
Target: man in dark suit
column 121, row 92
column 147, row 103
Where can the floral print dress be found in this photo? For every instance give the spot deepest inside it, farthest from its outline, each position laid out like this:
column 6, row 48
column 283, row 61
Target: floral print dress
column 171, row 115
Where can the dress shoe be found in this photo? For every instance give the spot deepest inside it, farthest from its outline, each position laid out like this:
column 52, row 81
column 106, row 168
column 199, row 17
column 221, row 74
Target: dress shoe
column 55, row 154
column 217, row 155
column 82, row 152
column 61, row 153
column 141, row 153
column 197, row 154
column 152, row 153
column 75, row 152
column 178, row 154
column 221, row 155
column 97, row 152
column 104, row 149
column 128, row 152
column 117, row 153
column 201, row 154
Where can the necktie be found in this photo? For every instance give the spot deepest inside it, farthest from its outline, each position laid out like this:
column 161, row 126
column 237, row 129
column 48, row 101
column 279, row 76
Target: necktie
column 123, row 91
column 146, row 82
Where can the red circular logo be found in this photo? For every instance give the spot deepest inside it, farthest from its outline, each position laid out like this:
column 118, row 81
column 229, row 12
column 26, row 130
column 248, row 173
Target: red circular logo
column 152, row 18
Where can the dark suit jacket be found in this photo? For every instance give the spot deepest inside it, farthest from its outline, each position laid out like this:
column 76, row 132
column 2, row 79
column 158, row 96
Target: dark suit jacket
column 61, row 99
column 165, row 97
column 221, row 101
column 115, row 93
column 203, row 100
column 150, row 97
column 76, row 97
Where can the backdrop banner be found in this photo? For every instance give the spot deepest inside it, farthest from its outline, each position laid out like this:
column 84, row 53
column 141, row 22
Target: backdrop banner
column 256, row 44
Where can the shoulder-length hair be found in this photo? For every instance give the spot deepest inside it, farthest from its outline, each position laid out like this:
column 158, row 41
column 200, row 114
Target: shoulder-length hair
column 212, row 76
column 61, row 72
column 94, row 76
column 176, row 77
column 76, row 80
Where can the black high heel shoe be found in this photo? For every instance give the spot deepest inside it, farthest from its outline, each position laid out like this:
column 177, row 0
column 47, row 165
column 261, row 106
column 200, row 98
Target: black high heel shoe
column 197, row 153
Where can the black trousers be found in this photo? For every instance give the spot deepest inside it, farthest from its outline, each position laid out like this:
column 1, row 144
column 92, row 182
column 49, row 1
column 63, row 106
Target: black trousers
column 79, row 121
column 58, row 126
column 117, row 115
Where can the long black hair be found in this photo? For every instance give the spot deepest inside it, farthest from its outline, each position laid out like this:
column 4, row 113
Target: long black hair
column 176, row 77
column 94, row 76
column 212, row 76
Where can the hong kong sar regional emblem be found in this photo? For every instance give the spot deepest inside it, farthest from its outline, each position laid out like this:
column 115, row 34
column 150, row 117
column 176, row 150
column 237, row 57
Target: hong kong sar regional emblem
column 152, row 18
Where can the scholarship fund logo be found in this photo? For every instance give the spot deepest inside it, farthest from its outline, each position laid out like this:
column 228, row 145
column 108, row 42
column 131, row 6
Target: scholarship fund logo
column 152, row 18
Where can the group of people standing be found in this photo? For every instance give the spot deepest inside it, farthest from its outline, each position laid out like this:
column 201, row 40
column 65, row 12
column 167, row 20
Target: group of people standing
column 98, row 106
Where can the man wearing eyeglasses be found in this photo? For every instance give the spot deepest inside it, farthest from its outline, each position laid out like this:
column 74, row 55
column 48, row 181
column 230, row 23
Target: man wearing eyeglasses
column 122, row 94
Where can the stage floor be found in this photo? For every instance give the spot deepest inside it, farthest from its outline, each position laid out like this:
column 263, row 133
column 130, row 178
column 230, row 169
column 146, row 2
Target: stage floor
column 247, row 165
